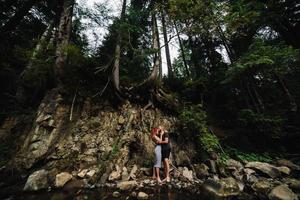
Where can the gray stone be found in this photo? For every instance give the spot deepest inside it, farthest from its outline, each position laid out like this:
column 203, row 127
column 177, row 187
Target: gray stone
column 116, row 174
column 187, row 173
column 262, row 186
column 37, row 181
column 147, row 171
column 201, row 170
column 125, row 175
column 234, row 165
column 133, row 194
column 282, row 192
column 82, row 173
column 288, row 163
column 294, row 184
column 265, row 168
column 227, row 187
column 62, row 178
column 133, row 171
column 126, row 185
column 116, row 194
column 121, row 120
column 91, row 173
column 142, row 196
column 284, row 170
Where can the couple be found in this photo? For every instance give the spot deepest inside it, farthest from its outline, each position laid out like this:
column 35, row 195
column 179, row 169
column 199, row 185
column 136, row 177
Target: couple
column 162, row 153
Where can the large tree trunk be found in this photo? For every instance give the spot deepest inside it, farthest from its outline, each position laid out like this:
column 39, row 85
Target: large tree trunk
column 64, row 35
column 194, row 57
column 41, row 45
column 167, row 49
column 225, row 43
column 15, row 20
column 116, row 66
column 182, row 51
column 155, row 42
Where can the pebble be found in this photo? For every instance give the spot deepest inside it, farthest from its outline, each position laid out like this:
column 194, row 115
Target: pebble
column 116, row 194
column 142, row 196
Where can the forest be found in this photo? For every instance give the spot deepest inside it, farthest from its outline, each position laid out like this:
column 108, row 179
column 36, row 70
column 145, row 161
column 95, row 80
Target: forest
column 229, row 97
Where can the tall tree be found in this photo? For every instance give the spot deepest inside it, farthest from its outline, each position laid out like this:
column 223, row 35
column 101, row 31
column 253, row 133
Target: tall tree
column 155, row 42
column 64, row 35
column 182, row 50
column 167, row 49
column 116, row 65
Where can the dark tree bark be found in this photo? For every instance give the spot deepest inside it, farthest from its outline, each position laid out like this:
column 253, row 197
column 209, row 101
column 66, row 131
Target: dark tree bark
column 116, row 66
column 194, row 59
column 154, row 74
column 182, row 50
column 63, row 40
column 226, row 44
column 15, row 20
column 167, row 49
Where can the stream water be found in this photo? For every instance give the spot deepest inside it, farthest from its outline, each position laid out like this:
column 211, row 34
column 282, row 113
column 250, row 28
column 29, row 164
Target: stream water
column 156, row 193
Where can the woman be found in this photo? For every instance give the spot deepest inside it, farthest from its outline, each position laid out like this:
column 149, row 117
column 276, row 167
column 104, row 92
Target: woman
column 165, row 154
column 156, row 136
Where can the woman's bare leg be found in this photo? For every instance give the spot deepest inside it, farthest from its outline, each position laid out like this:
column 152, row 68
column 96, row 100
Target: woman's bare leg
column 157, row 174
column 153, row 173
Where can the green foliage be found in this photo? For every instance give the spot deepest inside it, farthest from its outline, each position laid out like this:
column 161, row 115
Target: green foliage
column 264, row 58
column 209, row 142
column 193, row 120
column 245, row 156
column 263, row 123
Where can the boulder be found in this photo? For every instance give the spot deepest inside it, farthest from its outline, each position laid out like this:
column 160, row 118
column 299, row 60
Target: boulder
column 142, row 196
column 62, row 178
column 91, row 173
column 74, row 185
column 116, row 174
column 186, row 173
column 282, row 192
column 262, row 186
column 264, row 168
column 234, row 165
column 125, row 175
column 82, row 173
column 126, row 185
column 133, row 171
column 201, row 170
column 181, row 158
column 147, row 171
column 37, row 181
column 227, row 187
column 294, row 184
column 250, row 175
column 288, row 163
column 284, row 170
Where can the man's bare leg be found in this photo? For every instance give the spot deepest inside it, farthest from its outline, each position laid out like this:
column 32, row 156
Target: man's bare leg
column 167, row 170
column 157, row 175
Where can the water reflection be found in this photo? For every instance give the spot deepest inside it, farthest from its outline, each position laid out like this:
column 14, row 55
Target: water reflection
column 156, row 193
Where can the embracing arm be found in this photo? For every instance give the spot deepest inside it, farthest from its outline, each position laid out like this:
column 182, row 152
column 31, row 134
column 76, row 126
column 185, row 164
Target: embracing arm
column 166, row 141
column 157, row 139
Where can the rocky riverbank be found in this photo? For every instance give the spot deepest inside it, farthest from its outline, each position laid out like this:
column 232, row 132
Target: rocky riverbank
column 234, row 180
column 101, row 147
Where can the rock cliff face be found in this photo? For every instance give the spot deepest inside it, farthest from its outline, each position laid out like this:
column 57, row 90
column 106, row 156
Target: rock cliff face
column 98, row 136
